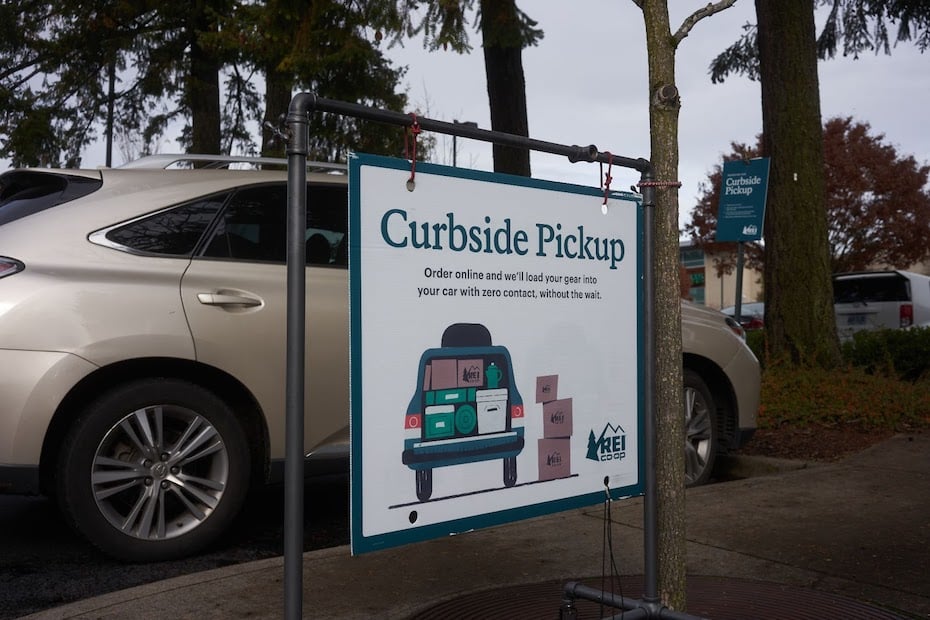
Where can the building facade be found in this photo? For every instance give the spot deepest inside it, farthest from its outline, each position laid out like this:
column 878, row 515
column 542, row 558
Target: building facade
column 706, row 288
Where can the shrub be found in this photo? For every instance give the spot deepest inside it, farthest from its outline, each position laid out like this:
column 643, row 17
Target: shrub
column 901, row 353
column 801, row 396
column 883, row 384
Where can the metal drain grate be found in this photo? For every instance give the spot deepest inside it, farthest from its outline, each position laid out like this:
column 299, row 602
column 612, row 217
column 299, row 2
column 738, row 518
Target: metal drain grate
column 719, row 598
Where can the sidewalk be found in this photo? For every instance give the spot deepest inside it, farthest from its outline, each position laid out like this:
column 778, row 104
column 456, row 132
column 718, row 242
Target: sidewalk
column 859, row 529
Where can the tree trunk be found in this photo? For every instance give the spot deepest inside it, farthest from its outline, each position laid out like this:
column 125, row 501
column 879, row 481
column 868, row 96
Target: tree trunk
column 203, row 96
column 799, row 319
column 503, row 63
column 277, row 101
column 664, row 105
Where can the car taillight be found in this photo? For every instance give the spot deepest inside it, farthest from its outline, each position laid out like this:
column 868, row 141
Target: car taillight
column 906, row 314
column 9, row 266
column 413, row 424
column 516, row 415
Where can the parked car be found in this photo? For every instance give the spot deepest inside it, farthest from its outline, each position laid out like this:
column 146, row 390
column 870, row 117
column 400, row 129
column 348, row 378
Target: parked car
column 721, row 388
column 869, row 300
column 751, row 315
column 142, row 319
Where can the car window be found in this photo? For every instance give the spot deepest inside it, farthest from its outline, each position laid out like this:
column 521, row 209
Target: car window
column 253, row 226
column 871, row 289
column 327, row 219
column 174, row 231
column 24, row 192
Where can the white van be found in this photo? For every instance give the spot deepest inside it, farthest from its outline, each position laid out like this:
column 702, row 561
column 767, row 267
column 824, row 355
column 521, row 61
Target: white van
column 880, row 299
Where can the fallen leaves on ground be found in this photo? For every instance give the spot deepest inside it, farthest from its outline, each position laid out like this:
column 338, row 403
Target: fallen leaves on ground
column 813, row 442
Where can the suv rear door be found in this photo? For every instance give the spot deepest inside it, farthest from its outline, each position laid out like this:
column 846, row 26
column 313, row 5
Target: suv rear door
column 234, row 295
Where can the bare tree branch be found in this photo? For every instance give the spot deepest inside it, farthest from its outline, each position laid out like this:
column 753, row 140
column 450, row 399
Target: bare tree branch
column 713, row 7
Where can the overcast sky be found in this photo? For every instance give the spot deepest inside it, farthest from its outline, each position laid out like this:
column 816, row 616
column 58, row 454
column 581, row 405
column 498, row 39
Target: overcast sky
column 586, row 84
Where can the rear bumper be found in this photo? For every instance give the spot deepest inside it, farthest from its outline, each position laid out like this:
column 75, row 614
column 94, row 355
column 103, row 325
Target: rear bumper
column 441, row 453
column 32, row 387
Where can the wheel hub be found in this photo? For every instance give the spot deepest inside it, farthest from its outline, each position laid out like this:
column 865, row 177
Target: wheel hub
column 159, row 470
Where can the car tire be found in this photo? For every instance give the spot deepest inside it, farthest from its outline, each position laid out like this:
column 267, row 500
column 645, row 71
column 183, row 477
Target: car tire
column 700, row 430
column 510, row 471
column 424, row 484
column 154, row 470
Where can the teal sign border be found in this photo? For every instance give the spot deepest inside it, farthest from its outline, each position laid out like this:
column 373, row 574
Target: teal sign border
column 361, row 543
column 743, row 190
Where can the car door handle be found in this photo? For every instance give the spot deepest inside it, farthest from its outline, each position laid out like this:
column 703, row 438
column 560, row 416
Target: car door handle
column 227, row 299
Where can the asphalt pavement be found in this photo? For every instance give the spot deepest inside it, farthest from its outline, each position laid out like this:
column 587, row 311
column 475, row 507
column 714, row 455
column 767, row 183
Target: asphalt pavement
column 854, row 534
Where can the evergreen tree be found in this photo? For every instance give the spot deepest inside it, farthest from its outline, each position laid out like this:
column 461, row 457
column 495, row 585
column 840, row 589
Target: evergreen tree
column 855, row 25
column 505, row 31
column 330, row 48
column 169, row 62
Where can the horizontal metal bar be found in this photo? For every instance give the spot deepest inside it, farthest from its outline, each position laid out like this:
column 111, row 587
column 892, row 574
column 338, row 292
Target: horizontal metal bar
column 574, row 153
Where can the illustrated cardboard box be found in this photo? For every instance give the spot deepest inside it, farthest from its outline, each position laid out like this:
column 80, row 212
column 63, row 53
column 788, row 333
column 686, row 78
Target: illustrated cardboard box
column 547, row 388
column 557, row 418
column 470, row 373
column 442, row 375
column 555, row 458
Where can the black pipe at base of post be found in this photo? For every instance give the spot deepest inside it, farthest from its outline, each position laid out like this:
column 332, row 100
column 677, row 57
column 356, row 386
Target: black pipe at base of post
column 632, row 608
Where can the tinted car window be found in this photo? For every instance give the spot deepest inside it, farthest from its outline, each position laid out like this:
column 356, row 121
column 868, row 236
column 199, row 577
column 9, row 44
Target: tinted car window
column 328, row 217
column 870, row 289
column 174, row 231
column 253, row 226
column 25, row 192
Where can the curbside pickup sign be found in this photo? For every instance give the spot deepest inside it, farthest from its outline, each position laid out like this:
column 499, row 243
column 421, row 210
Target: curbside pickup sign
column 495, row 349
column 742, row 200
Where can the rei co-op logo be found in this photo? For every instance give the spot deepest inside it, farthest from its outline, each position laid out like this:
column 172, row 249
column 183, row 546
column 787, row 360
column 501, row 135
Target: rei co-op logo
column 610, row 446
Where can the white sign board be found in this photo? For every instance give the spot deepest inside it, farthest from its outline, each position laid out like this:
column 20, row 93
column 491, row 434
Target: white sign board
column 495, row 349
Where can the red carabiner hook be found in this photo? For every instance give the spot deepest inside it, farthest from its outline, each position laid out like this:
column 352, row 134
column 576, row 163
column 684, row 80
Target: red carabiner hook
column 608, row 178
column 411, row 148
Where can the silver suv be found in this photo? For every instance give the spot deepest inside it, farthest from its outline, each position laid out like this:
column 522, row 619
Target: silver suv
column 142, row 331
column 869, row 300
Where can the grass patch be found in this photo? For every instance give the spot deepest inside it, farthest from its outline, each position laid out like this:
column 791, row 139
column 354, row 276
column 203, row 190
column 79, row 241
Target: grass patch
column 850, row 396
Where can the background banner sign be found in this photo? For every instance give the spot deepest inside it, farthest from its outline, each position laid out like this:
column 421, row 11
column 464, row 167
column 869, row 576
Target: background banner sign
column 495, row 349
column 742, row 200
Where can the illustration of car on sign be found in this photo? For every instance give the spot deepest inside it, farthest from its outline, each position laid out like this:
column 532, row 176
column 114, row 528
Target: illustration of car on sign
column 466, row 408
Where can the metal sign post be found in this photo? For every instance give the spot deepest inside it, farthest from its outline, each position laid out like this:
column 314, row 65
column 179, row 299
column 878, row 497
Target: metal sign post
column 297, row 147
column 297, row 151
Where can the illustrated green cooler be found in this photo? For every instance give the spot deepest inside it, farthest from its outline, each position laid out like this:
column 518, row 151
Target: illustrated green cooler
column 466, row 408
